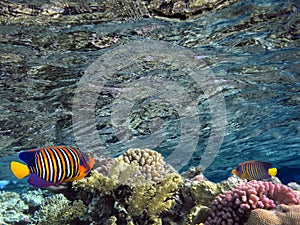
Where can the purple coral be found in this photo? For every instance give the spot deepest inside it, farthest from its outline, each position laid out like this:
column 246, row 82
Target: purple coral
column 233, row 207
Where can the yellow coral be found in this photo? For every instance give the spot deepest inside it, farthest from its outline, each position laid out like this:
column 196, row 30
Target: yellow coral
column 204, row 192
column 96, row 181
column 154, row 198
column 198, row 213
column 112, row 221
column 139, row 182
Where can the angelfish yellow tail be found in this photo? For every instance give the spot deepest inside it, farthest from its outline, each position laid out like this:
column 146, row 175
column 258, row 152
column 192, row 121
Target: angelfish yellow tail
column 20, row 170
column 272, row 171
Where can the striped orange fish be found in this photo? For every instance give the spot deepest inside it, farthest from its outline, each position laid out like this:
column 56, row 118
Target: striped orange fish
column 254, row 170
column 52, row 165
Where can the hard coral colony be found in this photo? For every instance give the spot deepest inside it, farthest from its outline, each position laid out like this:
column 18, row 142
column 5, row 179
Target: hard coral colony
column 135, row 188
column 234, row 206
column 140, row 188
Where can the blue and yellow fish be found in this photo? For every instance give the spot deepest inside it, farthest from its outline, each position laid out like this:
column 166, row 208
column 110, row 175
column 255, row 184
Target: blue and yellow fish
column 254, row 170
column 52, row 165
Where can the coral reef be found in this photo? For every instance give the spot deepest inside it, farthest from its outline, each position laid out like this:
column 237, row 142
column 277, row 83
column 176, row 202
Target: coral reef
column 294, row 186
column 153, row 198
column 16, row 208
column 58, row 210
column 234, row 206
column 263, row 217
column 32, row 207
column 138, row 186
column 13, row 208
column 152, row 166
column 198, row 213
column 203, row 191
column 281, row 215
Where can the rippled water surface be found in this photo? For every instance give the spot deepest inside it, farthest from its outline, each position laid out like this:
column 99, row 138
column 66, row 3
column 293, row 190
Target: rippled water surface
column 246, row 54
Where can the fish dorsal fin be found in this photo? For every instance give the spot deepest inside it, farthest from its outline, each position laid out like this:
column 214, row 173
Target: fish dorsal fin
column 267, row 165
column 28, row 156
column 87, row 161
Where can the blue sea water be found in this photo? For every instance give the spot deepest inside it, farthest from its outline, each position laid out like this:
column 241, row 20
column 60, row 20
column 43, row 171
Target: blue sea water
column 251, row 50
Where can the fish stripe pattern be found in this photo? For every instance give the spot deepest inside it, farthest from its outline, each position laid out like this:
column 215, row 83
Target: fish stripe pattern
column 254, row 170
column 52, row 165
column 51, row 161
column 75, row 162
column 58, row 166
column 61, row 171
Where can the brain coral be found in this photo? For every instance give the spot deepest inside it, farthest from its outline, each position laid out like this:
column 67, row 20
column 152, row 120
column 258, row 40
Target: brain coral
column 263, row 217
column 233, row 207
column 283, row 214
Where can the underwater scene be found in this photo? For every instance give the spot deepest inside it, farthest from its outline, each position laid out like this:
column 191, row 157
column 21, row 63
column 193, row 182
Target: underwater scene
column 164, row 112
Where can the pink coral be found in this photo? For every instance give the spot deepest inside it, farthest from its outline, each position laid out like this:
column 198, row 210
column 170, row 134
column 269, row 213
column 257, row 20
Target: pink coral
column 233, row 207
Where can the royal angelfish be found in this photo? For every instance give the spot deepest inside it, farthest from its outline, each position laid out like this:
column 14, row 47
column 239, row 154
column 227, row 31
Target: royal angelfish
column 52, row 165
column 254, row 170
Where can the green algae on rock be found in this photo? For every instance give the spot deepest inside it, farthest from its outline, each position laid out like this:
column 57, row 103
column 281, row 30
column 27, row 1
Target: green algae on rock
column 204, row 192
column 198, row 214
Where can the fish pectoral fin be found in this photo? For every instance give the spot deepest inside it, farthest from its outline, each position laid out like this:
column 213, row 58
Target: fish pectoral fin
column 36, row 181
column 20, row 170
column 272, row 172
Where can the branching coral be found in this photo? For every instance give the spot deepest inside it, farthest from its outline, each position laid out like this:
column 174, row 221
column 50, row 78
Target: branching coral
column 96, row 182
column 134, row 167
column 58, row 210
column 154, row 199
column 234, row 206
column 135, row 187
column 13, row 209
